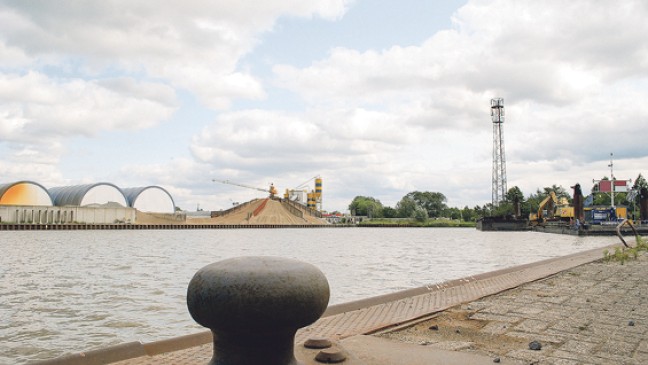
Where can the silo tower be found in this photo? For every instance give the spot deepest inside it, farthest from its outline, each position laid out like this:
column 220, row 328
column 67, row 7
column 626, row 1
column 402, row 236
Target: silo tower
column 499, row 158
column 318, row 193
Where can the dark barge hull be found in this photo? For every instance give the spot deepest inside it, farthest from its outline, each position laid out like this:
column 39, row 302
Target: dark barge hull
column 502, row 224
column 590, row 230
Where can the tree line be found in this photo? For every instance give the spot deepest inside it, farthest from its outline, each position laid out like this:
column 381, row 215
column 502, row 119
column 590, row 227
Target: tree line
column 421, row 205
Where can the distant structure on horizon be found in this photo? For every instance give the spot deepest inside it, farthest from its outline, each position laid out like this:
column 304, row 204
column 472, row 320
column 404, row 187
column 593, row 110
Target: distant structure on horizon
column 499, row 158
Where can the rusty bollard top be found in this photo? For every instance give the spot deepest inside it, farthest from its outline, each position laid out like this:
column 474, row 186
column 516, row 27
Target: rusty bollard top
column 254, row 305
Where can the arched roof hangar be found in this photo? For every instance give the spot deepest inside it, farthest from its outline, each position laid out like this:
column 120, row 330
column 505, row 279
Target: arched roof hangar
column 25, row 193
column 90, row 194
column 152, row 199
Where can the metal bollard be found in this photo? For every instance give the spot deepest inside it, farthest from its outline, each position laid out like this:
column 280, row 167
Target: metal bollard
column 254, row 305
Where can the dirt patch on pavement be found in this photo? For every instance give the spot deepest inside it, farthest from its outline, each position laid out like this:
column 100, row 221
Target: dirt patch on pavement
column 455, row 329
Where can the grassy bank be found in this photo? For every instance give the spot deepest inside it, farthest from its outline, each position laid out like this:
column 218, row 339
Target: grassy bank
column 387, row 222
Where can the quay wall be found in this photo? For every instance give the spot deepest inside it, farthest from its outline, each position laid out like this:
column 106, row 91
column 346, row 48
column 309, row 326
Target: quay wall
column 48, row 215
column 79, row 227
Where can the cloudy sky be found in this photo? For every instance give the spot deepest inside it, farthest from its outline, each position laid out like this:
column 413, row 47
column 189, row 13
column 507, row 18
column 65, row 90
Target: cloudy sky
column 377, row 97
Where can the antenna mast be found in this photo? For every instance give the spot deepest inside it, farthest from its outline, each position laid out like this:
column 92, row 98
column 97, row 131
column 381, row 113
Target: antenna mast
column 499, row 158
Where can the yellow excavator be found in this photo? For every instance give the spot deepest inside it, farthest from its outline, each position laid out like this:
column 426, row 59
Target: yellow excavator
column 546, row 209
column 552, row 208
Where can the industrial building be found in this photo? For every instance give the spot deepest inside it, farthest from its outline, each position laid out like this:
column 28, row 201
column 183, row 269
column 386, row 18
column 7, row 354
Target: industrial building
column 28, row 202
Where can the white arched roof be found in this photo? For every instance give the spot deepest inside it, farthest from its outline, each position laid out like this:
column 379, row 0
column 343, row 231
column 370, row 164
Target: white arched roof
column 24, row 193
column 152, row 199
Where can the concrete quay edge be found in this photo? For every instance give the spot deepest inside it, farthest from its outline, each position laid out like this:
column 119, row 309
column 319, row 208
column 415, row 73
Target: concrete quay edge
column 342, row 321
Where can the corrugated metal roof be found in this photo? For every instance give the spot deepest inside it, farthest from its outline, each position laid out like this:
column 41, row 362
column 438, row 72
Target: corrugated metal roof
column 73, row 195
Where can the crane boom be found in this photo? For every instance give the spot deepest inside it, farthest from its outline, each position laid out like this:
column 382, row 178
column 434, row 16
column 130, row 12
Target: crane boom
column 272, row 190
column 305, row 182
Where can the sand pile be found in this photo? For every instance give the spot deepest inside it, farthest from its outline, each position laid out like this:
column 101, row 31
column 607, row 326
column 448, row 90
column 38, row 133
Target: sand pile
column 158, row 218
column 268, row 212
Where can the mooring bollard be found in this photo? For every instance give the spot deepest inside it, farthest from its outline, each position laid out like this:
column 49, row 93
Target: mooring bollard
column 254, row 305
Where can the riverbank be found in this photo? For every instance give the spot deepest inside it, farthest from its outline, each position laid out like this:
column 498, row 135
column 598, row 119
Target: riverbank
column 131, row 227
column 430, row 223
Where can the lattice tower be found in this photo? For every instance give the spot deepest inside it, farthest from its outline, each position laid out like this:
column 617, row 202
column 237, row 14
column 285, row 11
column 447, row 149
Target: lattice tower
column 499, row 157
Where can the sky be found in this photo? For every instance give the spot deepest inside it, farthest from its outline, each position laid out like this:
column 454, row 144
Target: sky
column 379, row 98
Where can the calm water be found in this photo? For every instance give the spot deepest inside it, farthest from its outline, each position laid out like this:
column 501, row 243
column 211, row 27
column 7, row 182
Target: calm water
column 64, row 292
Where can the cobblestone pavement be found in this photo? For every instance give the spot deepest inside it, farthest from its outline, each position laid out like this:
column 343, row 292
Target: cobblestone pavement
column 592, row 314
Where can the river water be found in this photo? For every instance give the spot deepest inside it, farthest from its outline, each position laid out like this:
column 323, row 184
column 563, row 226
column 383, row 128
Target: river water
column 70, row 291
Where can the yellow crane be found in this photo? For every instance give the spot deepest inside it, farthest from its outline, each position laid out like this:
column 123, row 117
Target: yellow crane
column 272, row 190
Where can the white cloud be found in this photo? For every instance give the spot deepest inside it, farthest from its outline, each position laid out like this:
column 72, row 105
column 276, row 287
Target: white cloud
column 35, row 107
column 380, row 122
column 193, row 45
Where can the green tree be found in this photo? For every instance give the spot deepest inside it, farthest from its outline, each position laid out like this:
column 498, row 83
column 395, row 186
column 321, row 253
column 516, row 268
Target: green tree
column 366, row 206
column 389, row 212
column 559, row 191
column 452, row 213
column 420, row 214
column 481, row 212
column 434, row 203
column 468, row 214
column 405, row 207
column 507, row 207
column 640, row 182
column 635, row 197
column 514, row 193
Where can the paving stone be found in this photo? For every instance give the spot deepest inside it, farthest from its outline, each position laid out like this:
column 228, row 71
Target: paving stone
column 543, row 338
column 563, row 362
column 555, row 299
column 572, row 327
column 528, row 355
column 581, row 358
column 642, row 357
column 579, row 347
column 495, row 317
column 616, row 348
column 615, row 359
column 453, row 345
column 643, row 346
column 496, row 328
column 531, row 325
column 499, row 309
column 527, row 310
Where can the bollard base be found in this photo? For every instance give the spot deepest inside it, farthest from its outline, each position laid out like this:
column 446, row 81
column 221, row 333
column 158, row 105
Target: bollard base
column 335, row 354
column 253, row 348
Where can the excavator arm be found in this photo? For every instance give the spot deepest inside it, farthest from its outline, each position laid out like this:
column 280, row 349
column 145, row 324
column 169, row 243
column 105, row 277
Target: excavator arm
column 547, row 204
